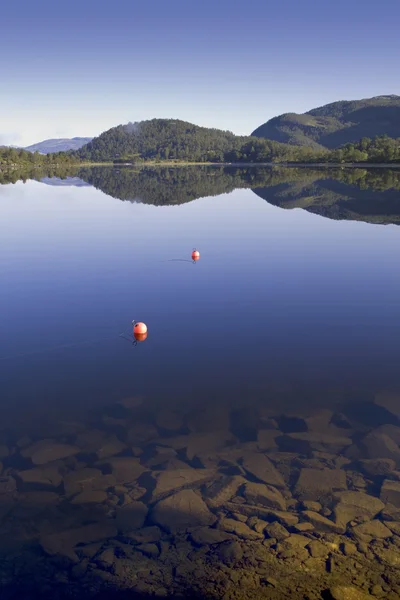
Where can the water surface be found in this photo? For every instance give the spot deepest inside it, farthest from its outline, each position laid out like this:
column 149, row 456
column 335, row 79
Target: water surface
column 292, row 309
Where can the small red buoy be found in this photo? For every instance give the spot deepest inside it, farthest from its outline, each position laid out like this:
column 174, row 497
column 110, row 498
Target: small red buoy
column 139, row 328
column 195, row 255
column 140, row 337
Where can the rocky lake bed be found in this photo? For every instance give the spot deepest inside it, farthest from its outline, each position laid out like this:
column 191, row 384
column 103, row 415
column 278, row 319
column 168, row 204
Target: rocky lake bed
column 212, row 502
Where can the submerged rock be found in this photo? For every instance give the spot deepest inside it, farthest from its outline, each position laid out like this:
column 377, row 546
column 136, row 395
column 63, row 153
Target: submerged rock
column 125, row 469
column 306, row 442
column 146, row 535
column 265, row 495
column 230, row 553
column 63, row 543
column 371, row 530
column 390, row 492
column 169, row 481
column 44, row 478
column 262, row 469
column 87, row 479
column 374, row 467
column 355, row 505
column 219, row 492
column 277, row 531
column 240, row 529
column 182, row 510
column 205, row 536
column 380, row 445
column 130, row 517
column 314, row 484
column 321, row 523
column 47, row 451
column 90, row 497
column 346, row 592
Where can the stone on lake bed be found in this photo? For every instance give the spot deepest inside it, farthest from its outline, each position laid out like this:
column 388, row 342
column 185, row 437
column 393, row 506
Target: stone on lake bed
column 47, row 451
column 317, row 549
column 182, row 510
column 374, row 467
column 306, row 442
column 131, row 517
column 263, row 494
column 146, row 535
column 347, row 592
column 353, row 505
column 223, row 489
column 287, row 518
column 42, row 478
column 321, row 523
column 380, row 445
column 260, row 467
column 90, row 497
column 126, row 469
column 371, row 530
column 314, row 484
column 240, row 529
column 277, row 531
column 206, row 536
column 87, row 479
column 169, row 481
column 63, row 543
column 230, row 553
column 390, row 492
column 150, row 550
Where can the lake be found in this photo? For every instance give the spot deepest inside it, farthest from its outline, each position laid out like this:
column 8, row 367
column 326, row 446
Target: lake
column 269, row 379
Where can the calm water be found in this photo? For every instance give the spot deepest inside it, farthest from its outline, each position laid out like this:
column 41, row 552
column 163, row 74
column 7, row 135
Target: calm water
column 279, row 298
column 293, row 308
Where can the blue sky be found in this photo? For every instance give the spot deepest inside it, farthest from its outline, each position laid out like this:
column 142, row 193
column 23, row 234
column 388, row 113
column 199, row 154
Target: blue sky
column 78, row 68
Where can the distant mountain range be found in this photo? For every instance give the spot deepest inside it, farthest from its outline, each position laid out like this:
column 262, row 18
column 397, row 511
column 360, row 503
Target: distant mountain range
column 59, row 145
column 288, row 137
column 336, row 124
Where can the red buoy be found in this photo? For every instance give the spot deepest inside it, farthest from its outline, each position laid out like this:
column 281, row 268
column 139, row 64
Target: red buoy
column 139, row 328
column 195, row 255
column 140, row 337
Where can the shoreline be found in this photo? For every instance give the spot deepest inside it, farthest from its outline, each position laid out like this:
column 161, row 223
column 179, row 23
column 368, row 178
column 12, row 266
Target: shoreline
column 59, row 166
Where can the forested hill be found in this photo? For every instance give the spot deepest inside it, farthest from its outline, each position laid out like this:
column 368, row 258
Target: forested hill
column 169, row 139
column 336, row 124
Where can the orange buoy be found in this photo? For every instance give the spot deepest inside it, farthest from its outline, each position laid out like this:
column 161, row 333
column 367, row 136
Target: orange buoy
column 139, row 328
column 140, row 337
column 195, row 255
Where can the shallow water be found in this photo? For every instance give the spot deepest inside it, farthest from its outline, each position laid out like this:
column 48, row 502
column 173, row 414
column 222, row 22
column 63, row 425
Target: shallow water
column 282, row 341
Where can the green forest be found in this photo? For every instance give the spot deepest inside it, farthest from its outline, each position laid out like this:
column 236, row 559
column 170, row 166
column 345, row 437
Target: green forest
column 166, row 140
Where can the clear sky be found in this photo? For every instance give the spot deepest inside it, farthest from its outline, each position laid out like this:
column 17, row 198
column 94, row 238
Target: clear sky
column 77, row 68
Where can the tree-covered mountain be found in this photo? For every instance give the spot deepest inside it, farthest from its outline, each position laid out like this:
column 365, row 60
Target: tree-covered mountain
column 58, row 145
column 336, row 124
column 169, row 139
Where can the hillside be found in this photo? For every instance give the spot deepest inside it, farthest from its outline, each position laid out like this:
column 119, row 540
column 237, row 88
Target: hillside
column 336, row 124
column 170, row 139
column 58, row 145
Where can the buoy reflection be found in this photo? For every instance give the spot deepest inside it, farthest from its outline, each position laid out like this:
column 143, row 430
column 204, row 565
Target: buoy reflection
column 140, row 337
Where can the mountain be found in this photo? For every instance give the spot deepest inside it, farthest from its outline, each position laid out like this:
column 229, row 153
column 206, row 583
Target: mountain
column 59, row 145
column 336, row 124
column 171, row 139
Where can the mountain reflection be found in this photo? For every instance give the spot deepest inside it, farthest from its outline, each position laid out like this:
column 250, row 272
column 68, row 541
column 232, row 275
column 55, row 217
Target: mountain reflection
column 370, row 195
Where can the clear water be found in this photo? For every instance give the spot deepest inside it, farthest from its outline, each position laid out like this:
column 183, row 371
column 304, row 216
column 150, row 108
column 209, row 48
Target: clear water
column 293, row 305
